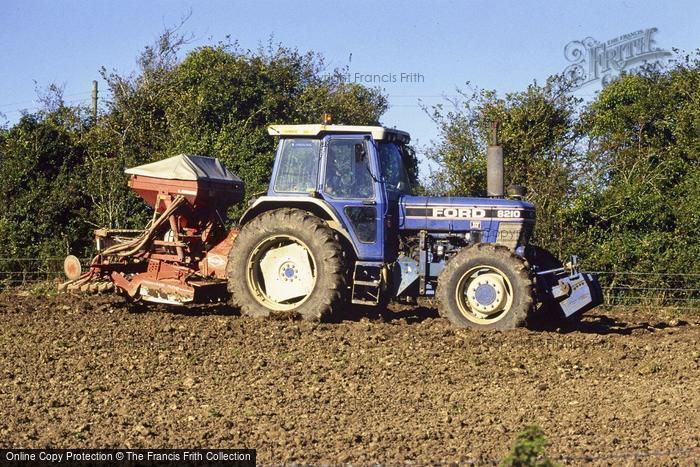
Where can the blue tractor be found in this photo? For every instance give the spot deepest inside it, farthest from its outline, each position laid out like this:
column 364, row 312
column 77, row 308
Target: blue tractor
column 339, row 225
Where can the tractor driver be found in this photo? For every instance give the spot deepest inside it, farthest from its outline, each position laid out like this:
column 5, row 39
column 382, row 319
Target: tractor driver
column 347, row 171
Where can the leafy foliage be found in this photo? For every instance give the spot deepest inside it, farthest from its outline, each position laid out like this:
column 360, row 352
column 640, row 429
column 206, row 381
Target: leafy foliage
column 41, row 183
column 615, row 181
column 639, row 210
column 529, row 450
column 62, row 174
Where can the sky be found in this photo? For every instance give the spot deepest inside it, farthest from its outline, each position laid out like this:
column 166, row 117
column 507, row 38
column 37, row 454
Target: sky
column 439, row 46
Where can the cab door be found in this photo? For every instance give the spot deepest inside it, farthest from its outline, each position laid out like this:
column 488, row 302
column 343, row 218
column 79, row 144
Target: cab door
column 391, row 224
column 351, row 186
column 395, row 184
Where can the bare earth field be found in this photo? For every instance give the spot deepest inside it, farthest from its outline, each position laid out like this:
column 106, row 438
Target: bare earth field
column 404, row 387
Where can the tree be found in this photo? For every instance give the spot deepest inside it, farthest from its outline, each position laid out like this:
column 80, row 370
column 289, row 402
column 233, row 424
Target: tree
column 42, row 185
column 217, row 101
column 616, row 181
column 641, row 213
column 62, row 174
column 540, row 144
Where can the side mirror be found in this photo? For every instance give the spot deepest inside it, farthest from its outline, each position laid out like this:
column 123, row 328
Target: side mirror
column 402, row 186
column 360, row 152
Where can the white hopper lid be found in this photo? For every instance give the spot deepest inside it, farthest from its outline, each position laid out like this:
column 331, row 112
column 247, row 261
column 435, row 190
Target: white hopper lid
column 185, row 167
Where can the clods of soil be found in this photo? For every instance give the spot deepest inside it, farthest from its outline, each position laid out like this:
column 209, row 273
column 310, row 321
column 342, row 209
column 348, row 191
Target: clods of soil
column 401, row 387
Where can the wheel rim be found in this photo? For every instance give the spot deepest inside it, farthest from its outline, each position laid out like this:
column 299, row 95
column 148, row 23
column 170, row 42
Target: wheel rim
column 281, row 272
column 484, row 295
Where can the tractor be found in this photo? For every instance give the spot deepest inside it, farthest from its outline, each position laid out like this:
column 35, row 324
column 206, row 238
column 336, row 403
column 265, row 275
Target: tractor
column 338, row 226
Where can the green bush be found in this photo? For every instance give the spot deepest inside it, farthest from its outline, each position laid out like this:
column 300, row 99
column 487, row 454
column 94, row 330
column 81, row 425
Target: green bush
column 615, row 181
column 62, row 175
column 529, row 450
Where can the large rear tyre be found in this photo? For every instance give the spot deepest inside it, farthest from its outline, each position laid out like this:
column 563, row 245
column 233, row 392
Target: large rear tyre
column 485, row 286
column 286, row 260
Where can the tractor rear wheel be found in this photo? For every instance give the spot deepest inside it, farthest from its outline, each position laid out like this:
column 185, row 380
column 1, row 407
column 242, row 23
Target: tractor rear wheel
column 485, row 286
column 286, row 261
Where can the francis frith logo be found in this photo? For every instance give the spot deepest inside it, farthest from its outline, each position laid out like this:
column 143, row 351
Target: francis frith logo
column 593, row 61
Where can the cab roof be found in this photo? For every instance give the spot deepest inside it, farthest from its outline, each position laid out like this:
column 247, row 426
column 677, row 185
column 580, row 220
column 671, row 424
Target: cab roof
column 379, row 133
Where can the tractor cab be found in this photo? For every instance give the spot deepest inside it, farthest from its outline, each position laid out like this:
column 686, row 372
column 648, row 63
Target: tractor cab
column 359, row 173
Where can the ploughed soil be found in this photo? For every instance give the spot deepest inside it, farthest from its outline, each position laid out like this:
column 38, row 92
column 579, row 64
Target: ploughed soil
column 621, row 387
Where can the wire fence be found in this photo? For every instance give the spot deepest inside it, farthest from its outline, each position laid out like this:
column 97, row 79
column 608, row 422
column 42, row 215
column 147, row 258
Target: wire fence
column 24, row 271
column 620, row 288
column 626, row 288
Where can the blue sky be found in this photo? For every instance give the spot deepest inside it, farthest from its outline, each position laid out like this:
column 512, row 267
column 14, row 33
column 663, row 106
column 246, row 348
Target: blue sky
column 501, row 45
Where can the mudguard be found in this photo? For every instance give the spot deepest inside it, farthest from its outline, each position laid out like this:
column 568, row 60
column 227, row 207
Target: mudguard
column 316, row 206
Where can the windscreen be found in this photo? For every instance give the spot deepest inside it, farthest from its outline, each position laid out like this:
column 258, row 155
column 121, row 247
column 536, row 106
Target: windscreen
column 297, row 167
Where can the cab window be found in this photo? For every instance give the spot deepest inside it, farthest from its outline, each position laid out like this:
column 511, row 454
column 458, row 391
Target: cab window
column 347, row 170
column 297, row 170
column 393, row 169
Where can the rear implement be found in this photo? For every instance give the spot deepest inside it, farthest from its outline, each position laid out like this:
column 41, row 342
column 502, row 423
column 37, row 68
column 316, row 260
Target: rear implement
column 181, row 256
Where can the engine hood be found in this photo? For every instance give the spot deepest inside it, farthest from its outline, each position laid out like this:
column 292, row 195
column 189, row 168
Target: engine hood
column 461, row 214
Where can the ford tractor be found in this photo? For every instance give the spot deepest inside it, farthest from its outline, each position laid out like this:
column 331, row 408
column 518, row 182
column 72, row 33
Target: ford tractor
column 338, row 226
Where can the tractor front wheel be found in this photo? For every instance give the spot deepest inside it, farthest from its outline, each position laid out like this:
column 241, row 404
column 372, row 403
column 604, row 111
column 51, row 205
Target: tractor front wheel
column 485, row 286
column 286, row 260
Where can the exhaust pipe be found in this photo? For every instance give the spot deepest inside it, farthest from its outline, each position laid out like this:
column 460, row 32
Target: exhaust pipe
column 494, row 166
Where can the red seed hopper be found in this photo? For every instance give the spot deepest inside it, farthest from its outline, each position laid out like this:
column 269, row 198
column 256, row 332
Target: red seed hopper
column 202, row 181
column 182, row 255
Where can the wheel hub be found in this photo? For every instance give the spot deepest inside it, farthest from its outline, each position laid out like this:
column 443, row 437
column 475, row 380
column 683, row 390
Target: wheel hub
column 486, row 294
column 286, row 272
